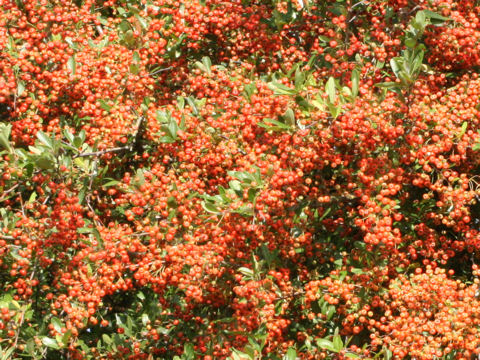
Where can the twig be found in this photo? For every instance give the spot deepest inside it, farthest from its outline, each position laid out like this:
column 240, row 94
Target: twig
column 289, row 296
column 141, row 234
column 138, row 125
column 8, row 191
column 46, row 200
column 358, row 4
column 88, row 196
column 102, row 152
column 415, row 8
column 158, row 71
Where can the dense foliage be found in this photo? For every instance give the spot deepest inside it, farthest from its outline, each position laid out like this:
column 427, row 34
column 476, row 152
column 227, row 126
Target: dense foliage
column 239, row 179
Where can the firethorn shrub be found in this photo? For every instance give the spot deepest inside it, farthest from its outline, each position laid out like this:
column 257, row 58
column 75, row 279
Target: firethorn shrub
column 255, row 179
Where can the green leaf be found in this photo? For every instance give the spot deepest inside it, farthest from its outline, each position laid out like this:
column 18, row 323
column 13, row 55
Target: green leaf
column 330, row 89
column 57, row 324
column 326, row 344
column 318, row 104
column 6, row 355
column 249, row 90
column 33, row 197
column 5, row 130
column 142, row 21
column 45, row 139
column 188, row 351
column 209, row 207
column 111, row 183
column 352, row 355
column 139, row 177
column 281, row 89
column 330, row 312
column 180, row 102
column 45, row 162
column 405, row 77
column 72, row 64
column 124, row 26
column 291, row 354
column 433, row 15
column 346, row 91
column 355, row 82
column 68, row 135
column 337, row 343
column 192, row 104
column 173, row 128
column 235, row 185
column 289, row 117
column 104, row 105
column 276, row 125
column 252, row 194
column 238, row 355
column 200, row 66
column 66, row 337
column 303, row 103
column 463, row 130
column 51, row 343
column 134, row 69
column 136, row 56
column 15, row 303
column 334, row 110
column 70, row 42
column 246, row 271
column 207, row 63
column 410, row 43
column 357, row 271
column 420, row 19
column 388, row 85
column 20, row 88
column 299, row 79
column 106, row 339
column 395, row 65
column 435, row 18
column 243, row 176
column 88, row 230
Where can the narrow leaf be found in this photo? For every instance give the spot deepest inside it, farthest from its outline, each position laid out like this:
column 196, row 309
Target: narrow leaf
column 104, row 105
column 355, row 82
column 330, row 89
column 20, row 88
column 326, row 344
column 72, row 64
column 209, row 207
column 337, row 343
column 49, row 342
column 291, row 354
column 44, row 139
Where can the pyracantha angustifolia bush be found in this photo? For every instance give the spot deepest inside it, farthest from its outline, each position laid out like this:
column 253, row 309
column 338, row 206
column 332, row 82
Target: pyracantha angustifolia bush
column 239, row 179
